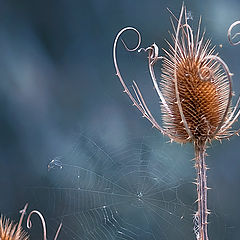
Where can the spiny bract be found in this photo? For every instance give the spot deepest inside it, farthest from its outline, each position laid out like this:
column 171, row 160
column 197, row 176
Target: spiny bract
column 202, row 85
column 10, row 231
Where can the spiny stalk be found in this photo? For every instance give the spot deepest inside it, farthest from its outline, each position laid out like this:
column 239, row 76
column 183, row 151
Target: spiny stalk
column 201, row 170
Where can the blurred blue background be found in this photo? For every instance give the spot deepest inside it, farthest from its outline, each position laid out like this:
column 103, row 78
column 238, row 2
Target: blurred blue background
column 59, row 96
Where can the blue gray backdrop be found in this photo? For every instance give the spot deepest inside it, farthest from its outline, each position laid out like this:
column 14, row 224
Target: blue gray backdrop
column 73, row 147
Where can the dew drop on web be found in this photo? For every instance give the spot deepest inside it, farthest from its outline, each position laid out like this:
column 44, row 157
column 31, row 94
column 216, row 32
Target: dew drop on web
column 55, row 163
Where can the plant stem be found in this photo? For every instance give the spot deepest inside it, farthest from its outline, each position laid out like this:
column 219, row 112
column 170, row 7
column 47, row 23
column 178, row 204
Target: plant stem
column 201, row 169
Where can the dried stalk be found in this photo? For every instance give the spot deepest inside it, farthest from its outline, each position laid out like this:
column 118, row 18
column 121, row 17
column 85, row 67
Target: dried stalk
column 196, row 98
column 201, row 182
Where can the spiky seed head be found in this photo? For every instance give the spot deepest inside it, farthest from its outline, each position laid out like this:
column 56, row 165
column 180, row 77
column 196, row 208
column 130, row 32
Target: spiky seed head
column 191, row 70
column 10, row 231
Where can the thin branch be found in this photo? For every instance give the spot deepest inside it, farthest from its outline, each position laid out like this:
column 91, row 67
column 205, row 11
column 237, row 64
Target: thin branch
column 148, row 114
column 58, row 231
column 226, row 125
column 198, row 34
column 175, row 79
column 189, row 38
column 126, row 90
column 229, row 77
column 232, row 121
column 23, row 212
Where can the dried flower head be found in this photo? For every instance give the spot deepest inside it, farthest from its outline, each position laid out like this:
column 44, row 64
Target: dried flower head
column 196, row 85
column 11, row 231
column 196, row 95
column 195, row 88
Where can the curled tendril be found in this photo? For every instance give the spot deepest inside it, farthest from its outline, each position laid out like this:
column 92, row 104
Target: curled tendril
column 230, row 38
column 153, row 53
column 139, row 102
column 205, row 74
column 124, row 44
column 153, row 57
column 29, row 224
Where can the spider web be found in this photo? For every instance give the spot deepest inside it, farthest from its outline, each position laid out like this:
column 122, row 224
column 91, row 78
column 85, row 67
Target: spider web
column 141, row 190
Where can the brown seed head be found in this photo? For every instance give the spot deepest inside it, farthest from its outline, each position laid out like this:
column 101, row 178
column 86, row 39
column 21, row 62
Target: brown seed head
column 194, row 85
column 195, row 88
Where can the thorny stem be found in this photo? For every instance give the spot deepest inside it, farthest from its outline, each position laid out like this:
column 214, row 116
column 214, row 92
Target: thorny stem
column 202, row 213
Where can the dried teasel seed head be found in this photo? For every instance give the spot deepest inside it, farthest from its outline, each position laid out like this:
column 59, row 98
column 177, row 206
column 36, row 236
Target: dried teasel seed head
column 11, row 231
column 195, row 90
column 196, row 85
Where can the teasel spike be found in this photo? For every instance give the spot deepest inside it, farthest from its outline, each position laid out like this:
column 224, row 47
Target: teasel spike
column 11, row 231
